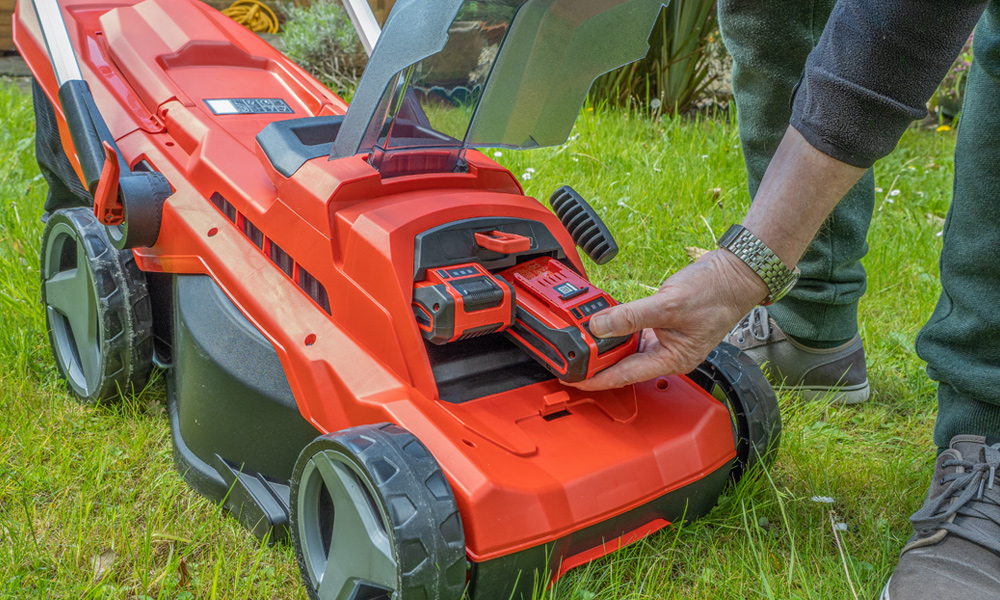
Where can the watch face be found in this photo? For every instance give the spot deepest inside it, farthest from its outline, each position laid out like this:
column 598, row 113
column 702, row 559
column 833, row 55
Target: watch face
column 730, row 235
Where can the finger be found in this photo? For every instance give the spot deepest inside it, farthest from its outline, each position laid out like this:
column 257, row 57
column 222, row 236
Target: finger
column 629, row 318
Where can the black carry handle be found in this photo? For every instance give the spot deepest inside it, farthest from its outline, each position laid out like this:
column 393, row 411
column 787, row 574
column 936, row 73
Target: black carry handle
column 88, row 130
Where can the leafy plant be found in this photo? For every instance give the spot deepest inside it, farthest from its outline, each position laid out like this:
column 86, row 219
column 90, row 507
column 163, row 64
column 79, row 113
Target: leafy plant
column 947, row 99
column 675, row 72
column 321, row 39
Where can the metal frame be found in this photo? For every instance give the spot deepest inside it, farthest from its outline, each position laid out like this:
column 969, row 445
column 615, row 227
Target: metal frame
column 57, row 41
column 364, row 22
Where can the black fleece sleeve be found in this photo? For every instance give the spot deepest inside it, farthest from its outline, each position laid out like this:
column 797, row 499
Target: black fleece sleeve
column 876, row 65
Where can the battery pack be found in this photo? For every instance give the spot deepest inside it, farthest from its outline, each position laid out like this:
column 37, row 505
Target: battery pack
column 553, row 310
column 461, row 302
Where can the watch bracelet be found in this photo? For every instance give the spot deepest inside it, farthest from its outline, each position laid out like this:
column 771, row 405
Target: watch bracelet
column 759, row 257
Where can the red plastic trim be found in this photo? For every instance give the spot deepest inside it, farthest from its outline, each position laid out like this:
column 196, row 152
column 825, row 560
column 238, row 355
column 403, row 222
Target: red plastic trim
column 596, row 552
column 107, row 206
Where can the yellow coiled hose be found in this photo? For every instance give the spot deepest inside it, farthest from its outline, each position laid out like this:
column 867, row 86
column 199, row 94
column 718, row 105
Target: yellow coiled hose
column 254, row 15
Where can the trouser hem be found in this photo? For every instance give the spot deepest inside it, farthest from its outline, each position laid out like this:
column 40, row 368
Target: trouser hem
column 958, row 414
column 811, row 321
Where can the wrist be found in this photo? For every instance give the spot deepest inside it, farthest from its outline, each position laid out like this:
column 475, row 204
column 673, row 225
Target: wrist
column 761, row 259
column 746, row 287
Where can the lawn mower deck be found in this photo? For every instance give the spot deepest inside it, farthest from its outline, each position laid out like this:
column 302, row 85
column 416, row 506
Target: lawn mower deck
column 363, row 321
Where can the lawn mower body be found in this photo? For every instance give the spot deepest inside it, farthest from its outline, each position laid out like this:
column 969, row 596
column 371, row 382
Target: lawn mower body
column 282, row 283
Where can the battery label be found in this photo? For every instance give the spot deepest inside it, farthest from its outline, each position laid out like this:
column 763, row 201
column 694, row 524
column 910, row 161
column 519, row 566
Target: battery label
column 248, row 106
column 568, row 290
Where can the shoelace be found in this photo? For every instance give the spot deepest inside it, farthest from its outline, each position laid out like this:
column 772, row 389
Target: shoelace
column 756, row 323
column 967, row 495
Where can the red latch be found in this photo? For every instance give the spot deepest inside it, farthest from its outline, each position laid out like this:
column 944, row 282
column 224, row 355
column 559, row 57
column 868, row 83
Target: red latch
column 504, row 243
column 554, row 402
column 107, row 205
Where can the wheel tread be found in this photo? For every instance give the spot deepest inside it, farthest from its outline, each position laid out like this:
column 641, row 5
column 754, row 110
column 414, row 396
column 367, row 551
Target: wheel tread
column 418, row 500
column 757, row 408
column 127, row 316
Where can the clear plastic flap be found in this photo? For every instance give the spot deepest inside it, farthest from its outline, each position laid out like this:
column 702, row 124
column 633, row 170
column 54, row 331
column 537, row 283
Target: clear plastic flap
column 483, row 73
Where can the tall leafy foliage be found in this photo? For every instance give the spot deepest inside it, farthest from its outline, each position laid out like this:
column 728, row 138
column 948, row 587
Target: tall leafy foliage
column 675, row 72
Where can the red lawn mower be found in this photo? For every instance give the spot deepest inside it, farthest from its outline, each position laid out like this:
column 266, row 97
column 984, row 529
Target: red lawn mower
column 363, row 321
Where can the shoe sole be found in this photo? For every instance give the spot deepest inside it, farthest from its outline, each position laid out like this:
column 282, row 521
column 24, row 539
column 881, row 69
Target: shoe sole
column 850, row 394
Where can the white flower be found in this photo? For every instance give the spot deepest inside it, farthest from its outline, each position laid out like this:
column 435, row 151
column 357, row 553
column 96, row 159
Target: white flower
column 704, row 156
column 498, row 154
column 655, row 103
column 822, row 499
column 940, row 233
column 529, row 170
column 575, row 159
column 890, row 200
column 894, row 193
column 526, row 176
column 878, row 190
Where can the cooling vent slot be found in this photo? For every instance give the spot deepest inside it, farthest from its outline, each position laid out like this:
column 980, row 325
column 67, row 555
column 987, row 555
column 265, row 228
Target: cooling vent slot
column 586, row 228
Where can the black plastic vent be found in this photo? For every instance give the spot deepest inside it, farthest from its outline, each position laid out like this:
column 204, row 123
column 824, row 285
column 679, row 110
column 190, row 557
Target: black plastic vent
column 281, row 258
column 586, row 228
column 250, row 230
column 224, row 206
column 314, row 289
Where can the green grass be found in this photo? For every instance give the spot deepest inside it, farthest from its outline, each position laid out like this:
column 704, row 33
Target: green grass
column 77, row 483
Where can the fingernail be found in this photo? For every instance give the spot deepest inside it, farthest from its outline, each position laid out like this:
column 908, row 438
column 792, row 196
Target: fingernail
column 600, row 326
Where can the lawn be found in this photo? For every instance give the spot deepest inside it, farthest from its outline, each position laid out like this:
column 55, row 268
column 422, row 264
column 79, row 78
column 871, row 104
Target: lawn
column 91, row 506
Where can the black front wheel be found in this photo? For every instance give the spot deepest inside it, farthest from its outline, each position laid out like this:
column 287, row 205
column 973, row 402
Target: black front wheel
column 735, row 380
column 373, row 517
column 97, row 308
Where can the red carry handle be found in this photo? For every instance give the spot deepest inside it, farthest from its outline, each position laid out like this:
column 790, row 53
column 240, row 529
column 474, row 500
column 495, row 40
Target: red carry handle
column 504, row 243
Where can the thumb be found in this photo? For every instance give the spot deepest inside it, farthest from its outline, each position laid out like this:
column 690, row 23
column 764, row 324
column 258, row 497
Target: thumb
column 628, row 318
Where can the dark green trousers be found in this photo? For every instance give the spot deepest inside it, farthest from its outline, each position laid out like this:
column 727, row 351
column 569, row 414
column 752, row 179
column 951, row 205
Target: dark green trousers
column 769, row 41
column 961, row 342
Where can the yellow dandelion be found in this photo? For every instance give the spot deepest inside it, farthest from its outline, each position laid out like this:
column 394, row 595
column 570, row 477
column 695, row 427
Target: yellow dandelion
column 944, row 128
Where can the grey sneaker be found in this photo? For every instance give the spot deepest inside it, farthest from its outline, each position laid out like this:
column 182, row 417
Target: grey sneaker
column 954, row 553
column 837, row 374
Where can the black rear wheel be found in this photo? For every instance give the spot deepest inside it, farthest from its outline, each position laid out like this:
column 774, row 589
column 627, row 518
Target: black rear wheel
column 372, row 516
column 97, row 309
column 735, row 380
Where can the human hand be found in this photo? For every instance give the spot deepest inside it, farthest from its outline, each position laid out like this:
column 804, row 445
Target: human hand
column 684, row 320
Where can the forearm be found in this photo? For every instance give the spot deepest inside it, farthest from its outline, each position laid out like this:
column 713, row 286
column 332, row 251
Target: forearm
column 800, row 188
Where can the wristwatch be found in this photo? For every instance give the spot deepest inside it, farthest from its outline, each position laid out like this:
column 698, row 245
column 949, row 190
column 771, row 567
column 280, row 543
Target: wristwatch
column 745, row 245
